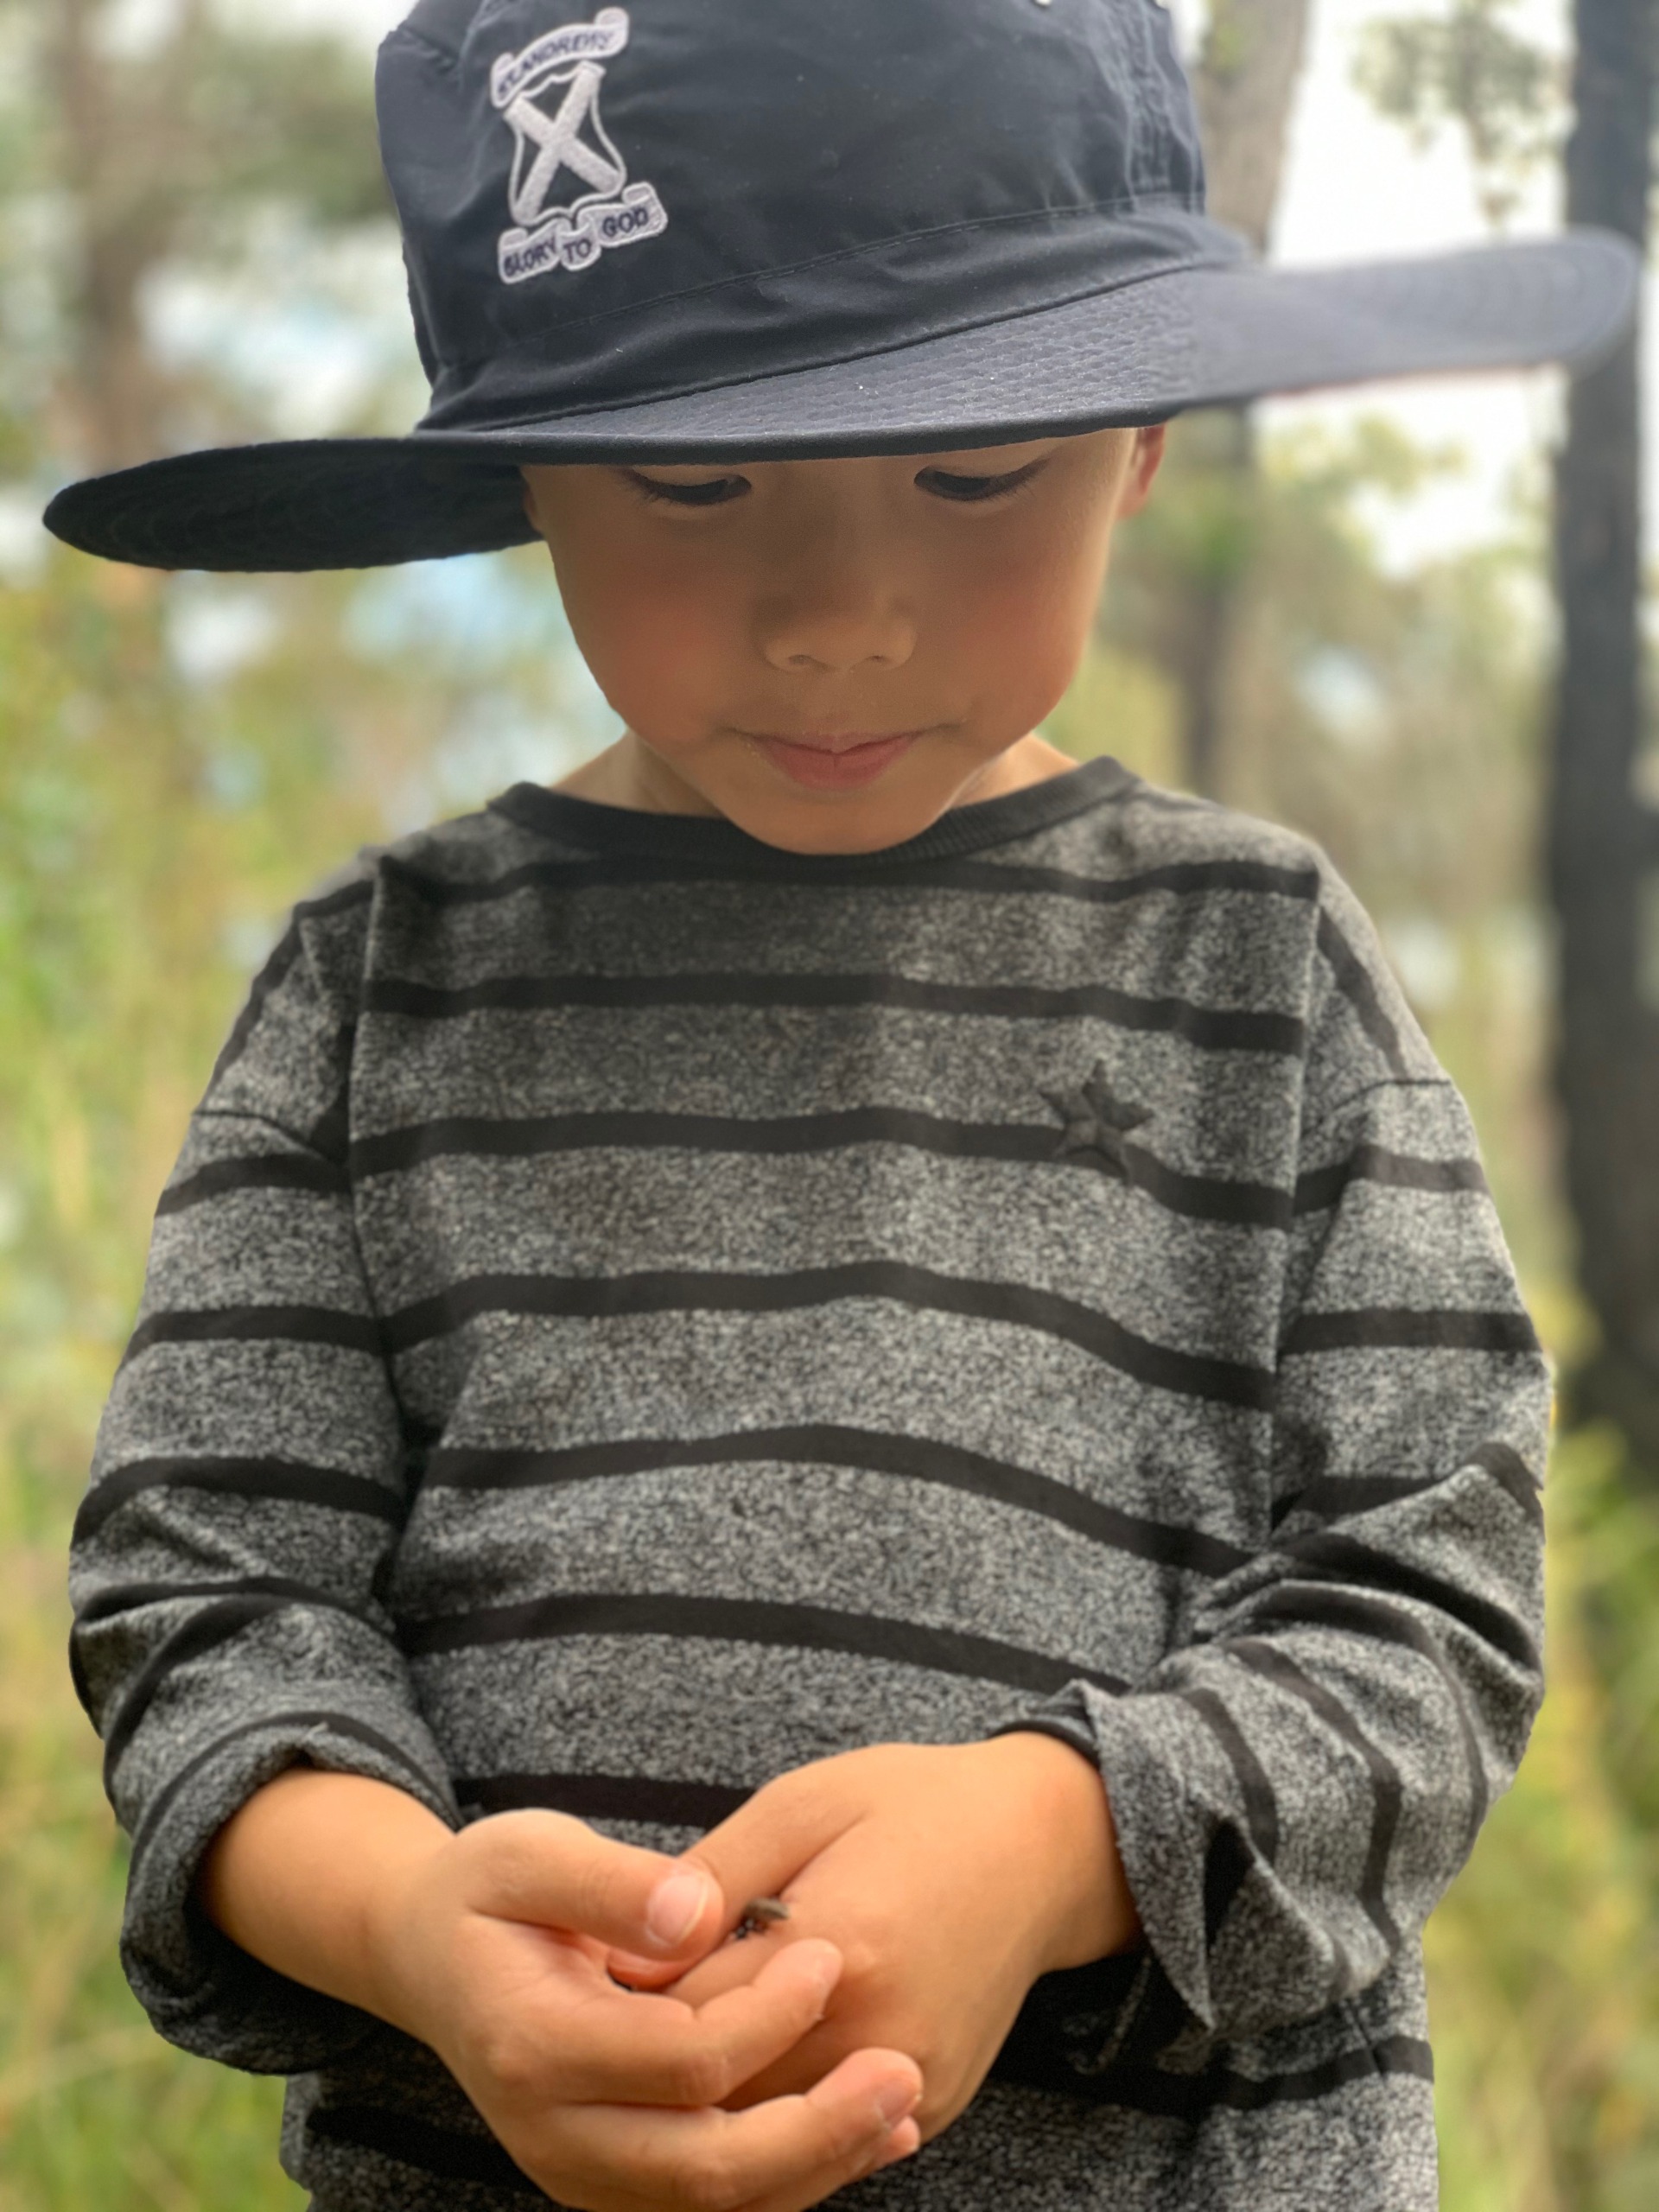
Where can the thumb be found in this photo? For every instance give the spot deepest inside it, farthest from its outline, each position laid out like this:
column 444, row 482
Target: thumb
column 553, row 1870
column 756, row 1852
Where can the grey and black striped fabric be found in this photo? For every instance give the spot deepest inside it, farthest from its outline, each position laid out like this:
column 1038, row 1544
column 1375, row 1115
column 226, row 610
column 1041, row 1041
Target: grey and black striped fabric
column 638, row 1310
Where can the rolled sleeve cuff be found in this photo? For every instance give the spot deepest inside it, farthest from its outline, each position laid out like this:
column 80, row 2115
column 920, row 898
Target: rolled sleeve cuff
column 201, row 1991
column 1156, row 1823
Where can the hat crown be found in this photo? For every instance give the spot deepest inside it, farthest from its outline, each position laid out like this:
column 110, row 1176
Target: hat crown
column 580, row 192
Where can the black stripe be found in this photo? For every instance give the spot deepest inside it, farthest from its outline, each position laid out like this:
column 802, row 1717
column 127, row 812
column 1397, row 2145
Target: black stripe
column 417, row 2144
column 256, row 1597
column 643, row 1797
column 1345, row 1558
column 1072, row 1734
column 1073, row 2025
column 1187, row 2096
column 1226, row 1869
column 312, row 1717
column 1372, row 1163
column 1203, row 1198
column 1336, row 1496
column 1255, row 1789
column 839, row 872
column 1388, row 1792
column 1160, row 2015
column 1409, row 1329
column 692, row 1290
column 293, row 1324
column 1311, row 1605
column 869, row 1451
column 330, row 1135
column 787, row 1135
column 737, row 1620
column 254, row 1478
column 123, row 1596
column 451, row 2156
column 1212, row 1028
column 1158, row 801
column 1354, row 981
column 283, row 957
column 271, row 1171
column 1511, row 1473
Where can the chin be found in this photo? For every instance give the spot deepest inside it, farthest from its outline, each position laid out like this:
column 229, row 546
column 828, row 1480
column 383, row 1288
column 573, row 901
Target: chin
column 866, row 825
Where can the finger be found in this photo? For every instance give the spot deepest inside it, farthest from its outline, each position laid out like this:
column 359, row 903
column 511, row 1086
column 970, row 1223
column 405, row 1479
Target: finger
column 780, row 2156
column 552, row 1868
column 903, row 2143
column 758, row 1851
column 744, row 1957
column 619, row 2048
column 644, row 1974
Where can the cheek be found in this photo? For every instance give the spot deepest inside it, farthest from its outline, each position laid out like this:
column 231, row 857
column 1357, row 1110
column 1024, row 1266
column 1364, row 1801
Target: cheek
column 664, row 641
column 1021, row 621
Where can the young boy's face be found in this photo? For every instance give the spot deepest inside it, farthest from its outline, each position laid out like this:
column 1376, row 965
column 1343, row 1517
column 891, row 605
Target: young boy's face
column 831, row 653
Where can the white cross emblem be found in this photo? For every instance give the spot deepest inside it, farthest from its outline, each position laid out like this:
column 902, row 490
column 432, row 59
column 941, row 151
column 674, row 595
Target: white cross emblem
column 611, row 211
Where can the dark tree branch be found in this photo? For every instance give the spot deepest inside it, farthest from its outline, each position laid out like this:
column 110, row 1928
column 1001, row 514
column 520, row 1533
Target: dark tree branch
column 1600, row 840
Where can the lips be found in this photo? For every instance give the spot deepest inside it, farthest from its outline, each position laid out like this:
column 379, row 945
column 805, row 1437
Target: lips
column 834, row 764
column 837, row 761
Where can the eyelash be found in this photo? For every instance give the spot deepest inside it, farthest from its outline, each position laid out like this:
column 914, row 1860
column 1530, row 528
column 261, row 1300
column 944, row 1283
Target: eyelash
column 712, row 494
column 973, row 491
column 965, row 491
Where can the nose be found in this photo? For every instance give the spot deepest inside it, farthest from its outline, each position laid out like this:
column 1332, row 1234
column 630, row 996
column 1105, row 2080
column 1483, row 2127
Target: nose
column 833, row 610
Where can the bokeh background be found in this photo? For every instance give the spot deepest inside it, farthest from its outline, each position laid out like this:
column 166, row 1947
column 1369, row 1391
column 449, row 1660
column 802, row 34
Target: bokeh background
column 1412, row 623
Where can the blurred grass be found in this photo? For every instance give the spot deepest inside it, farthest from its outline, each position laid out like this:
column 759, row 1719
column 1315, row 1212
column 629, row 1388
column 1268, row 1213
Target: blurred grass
column 96, row 2114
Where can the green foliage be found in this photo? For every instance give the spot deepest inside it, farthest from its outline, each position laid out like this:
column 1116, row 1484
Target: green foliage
column 279, row 118
column 1468, row 67
column 1544, row 1962
column 95, row 2110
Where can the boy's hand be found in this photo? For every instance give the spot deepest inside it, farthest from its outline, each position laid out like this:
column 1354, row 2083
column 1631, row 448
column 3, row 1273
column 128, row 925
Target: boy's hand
column 492, row 1948
column 950, row 1878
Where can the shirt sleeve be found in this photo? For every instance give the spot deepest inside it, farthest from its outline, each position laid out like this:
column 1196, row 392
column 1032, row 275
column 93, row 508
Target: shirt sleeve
column 1296, row 1784
column 247, row 1492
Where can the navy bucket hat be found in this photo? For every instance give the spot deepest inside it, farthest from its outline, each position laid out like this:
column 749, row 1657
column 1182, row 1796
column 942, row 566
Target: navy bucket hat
column 714, row 230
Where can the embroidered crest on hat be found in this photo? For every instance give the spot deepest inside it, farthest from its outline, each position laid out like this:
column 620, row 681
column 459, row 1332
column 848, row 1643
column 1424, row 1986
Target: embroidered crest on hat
column 548, row 141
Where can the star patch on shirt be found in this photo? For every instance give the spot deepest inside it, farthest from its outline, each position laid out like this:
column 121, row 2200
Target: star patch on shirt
column 1096, row 1122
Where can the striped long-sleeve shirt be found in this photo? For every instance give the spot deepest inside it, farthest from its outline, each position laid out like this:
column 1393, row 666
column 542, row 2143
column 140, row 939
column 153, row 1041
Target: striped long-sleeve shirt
column 638, row 1310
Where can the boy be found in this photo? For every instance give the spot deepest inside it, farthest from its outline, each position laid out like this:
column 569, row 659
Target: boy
column 837, row 1310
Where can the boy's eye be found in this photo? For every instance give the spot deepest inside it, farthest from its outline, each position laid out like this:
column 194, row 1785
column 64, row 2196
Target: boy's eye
column 946, row 483
column 714, row 493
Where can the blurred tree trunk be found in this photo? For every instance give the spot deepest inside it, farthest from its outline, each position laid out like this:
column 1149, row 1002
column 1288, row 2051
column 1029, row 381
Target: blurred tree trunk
column 117, row 158
column 1603, row 842
column 1245, row 83
column 160, row 153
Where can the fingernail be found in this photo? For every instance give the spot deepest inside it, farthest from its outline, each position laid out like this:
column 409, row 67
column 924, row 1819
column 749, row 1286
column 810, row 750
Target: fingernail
column 675, row 1906
column 895, row 2101
column 903, row 2143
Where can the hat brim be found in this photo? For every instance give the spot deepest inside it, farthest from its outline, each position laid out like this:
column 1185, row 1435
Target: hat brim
column 1141, row 353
